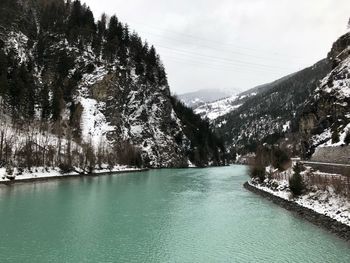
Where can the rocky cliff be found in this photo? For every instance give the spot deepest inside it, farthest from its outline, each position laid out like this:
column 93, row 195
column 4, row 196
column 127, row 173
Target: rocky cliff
column 95, row 80
column 325, row 118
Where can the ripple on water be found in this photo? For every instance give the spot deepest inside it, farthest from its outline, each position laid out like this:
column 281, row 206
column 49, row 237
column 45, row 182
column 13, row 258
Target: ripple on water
column 196, row 215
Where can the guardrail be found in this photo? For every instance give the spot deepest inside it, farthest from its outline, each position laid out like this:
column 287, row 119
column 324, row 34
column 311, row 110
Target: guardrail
column 333, row 168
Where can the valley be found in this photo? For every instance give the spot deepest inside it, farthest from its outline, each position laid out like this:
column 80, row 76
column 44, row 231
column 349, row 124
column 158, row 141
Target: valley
column 113, row 148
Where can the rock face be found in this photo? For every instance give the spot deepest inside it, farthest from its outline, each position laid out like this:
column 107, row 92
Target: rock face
column 138, row 112
column 97, row 79
column 325, row 118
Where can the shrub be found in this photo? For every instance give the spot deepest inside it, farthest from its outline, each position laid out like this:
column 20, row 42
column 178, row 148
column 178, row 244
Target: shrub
column 9, row 170
column 280, row 159
column 335, row 136
column 65, row 168
column 296, row 184
column 128, row 154
column 347, row 138
column 258, row 172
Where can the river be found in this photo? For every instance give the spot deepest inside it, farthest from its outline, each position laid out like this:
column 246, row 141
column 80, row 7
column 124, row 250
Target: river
column 169, row 215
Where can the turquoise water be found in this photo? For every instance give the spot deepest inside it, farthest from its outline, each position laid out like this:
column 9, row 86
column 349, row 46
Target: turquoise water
column 185, row 215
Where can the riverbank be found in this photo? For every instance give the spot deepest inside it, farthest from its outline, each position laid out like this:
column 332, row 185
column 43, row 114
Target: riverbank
column 340, row 229
column 45, row 174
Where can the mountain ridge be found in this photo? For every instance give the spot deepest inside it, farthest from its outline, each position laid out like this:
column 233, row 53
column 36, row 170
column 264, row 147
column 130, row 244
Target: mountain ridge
column 91, row 81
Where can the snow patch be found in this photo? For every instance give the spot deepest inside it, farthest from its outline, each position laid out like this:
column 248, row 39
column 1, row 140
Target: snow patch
column 93, row 122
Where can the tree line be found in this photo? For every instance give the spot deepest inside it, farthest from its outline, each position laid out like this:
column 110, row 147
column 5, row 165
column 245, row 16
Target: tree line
column 30, row 146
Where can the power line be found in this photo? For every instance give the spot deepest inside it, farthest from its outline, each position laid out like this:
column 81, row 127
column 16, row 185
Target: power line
column 142, row 24
column 224, row 60
column 229, row 68
column 219, row 50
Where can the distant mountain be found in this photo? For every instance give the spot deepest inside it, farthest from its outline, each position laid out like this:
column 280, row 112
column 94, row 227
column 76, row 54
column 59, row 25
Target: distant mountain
column 218, row 108
column 197, row 98
column 214, row 110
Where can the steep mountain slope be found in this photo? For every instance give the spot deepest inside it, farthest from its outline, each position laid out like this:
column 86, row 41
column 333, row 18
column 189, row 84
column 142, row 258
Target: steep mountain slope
column 273, row 112
column 197, row 98
column 93, row 81
column 325, row 120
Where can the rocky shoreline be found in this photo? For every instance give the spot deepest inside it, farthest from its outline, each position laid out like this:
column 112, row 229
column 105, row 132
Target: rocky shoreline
column 325, row 222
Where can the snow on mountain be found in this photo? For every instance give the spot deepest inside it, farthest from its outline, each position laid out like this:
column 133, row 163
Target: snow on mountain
column 219, row 108
column 273, row 111
column 200, row 97
column 326, row 118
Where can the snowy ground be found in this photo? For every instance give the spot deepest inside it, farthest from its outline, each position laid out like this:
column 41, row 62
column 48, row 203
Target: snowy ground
column 41, row 172
column 323, row 202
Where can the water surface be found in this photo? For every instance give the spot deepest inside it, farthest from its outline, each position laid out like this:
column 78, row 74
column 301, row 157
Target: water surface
column 184, row 215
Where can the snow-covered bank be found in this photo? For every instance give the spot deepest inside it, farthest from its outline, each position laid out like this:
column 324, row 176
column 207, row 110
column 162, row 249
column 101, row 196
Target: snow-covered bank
column 327, row 223
column 324, row 202
column 40, row 173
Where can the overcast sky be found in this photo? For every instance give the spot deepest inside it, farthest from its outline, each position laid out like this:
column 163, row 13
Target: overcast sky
column 232, row 45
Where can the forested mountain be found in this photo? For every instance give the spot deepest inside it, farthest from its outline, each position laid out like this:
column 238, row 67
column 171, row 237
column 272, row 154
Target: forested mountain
column 214, row 110
column 299, row 112
column 93, row 86
column 272, row 113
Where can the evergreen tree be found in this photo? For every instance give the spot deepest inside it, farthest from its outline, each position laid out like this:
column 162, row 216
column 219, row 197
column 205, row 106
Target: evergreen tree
column 335, row 136
column 136, row 53
column 3, row 85
column 151, row 63
column 45, row 103
column 124, row 44
column 57, row 104
column 100, row 34
column 29, row 96
column 88, row 29
column 296, row 184
column 114, row 35
column 161, row 74
column 76, row 111
column 40, row 48
column 53, row 14
column 16, row 88
column 347, row 138
column 3, row 77
column 65, row 63
column 74, row 21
